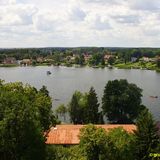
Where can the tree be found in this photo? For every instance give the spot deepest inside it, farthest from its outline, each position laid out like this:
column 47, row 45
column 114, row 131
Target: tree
column 121, row 102
column 83, row 108
column 93, row 142
column 147, row 139
column 75, row 108
column 111, row 60
column 25, row 114
column 121, row 147
column 91, row 110
column 44, row 91
column 158, row 62
column 81, row 59
column 62, row 110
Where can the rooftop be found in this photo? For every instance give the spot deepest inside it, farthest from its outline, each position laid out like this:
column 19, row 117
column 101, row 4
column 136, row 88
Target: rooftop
column 68, row 134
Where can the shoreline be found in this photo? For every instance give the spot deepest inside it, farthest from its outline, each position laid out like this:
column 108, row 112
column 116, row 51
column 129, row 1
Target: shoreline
column 116, row 66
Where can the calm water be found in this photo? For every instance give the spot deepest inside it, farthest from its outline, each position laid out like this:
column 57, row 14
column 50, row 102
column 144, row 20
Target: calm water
column 64, row 81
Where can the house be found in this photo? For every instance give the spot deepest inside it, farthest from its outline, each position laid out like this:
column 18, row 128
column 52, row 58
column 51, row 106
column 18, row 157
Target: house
column 107, row 57
column 69, row 134
column 40, row 59
column 26, row 62
column 87, row 57
column 10, row 60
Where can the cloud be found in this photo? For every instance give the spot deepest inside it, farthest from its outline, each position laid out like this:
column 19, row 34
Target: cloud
column 46, row 22
column 6, row 2
column 77, row 14
column 101, row 24
column 11, row 15
column 146, row 5
column 27, row 23
column 127, row 19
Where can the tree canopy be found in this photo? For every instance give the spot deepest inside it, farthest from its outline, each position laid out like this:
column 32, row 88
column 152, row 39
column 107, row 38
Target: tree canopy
column 147, row 138
column 84, row 108
column 121, row 102
column 25, row 113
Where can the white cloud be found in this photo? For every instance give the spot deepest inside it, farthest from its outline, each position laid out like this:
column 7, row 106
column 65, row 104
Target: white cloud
column 26, row 23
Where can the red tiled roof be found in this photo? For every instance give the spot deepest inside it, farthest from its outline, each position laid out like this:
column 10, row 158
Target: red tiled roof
column 68, row 134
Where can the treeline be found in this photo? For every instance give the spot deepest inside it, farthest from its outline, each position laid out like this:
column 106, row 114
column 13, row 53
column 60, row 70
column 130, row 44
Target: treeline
column 22, row 53
column 121, row 103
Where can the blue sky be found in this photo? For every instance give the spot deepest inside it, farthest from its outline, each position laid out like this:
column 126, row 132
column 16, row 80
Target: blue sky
column 71, row 23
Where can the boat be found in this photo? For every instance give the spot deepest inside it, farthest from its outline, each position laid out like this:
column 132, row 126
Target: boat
column 153, row 96
column 48, row 72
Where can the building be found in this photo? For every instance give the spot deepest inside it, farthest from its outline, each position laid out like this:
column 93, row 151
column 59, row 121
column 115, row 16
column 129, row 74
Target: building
column 10, row 60
column 107, row 57
column 87, row 57
column 68, row 134
column 26, row 62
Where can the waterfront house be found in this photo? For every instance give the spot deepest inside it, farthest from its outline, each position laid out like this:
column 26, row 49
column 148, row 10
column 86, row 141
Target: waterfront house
column 10, row 60
column 26, row 62
column 107, row 57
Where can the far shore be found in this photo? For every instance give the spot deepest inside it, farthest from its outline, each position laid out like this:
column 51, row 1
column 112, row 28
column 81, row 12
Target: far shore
column 117, row 66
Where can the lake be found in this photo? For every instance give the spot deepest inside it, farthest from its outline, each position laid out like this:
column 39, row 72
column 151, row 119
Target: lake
column 65, row 80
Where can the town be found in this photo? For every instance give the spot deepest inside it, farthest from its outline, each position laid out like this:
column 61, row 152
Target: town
column 123, row 58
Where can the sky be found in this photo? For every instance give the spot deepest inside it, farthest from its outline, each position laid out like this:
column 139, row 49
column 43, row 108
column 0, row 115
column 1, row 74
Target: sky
column 73, row 23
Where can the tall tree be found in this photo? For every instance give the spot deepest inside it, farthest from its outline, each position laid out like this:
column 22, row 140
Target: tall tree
column 91, row 110
column 147, row 138
column 62, row 110
column 121, row 102
column 75, row 108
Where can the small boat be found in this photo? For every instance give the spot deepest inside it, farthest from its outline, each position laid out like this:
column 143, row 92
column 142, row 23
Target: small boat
column 153, row 96
column 48, row 72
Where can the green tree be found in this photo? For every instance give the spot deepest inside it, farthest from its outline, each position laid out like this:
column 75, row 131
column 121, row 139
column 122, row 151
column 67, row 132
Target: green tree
column 21, row 134
column 111, row 60
column 121, row 102
column 25, row 114
column 93, row 142
column 122, row 144
column 76, row 108
column 44, row 91
column 91, row 110
column 147, row 139
column 83, row 108
column 81, row 59
column 158, row 62
column 62, row 110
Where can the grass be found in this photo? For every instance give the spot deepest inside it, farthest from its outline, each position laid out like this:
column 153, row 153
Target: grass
column 8, row 65
column 137, row 65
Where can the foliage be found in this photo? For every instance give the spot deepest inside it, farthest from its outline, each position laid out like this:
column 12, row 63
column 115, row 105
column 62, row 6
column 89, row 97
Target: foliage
column 91, row 109
column 62, row 110
column 111, row 60
column 158, row 62
column 93, row 142
column 121, row 102
column 83, row 108
column 64, row 153
column 25, row 114
column 122, row 144
column 147, row 139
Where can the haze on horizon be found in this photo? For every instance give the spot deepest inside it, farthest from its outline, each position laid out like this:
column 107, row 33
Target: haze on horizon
column 72, row 23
